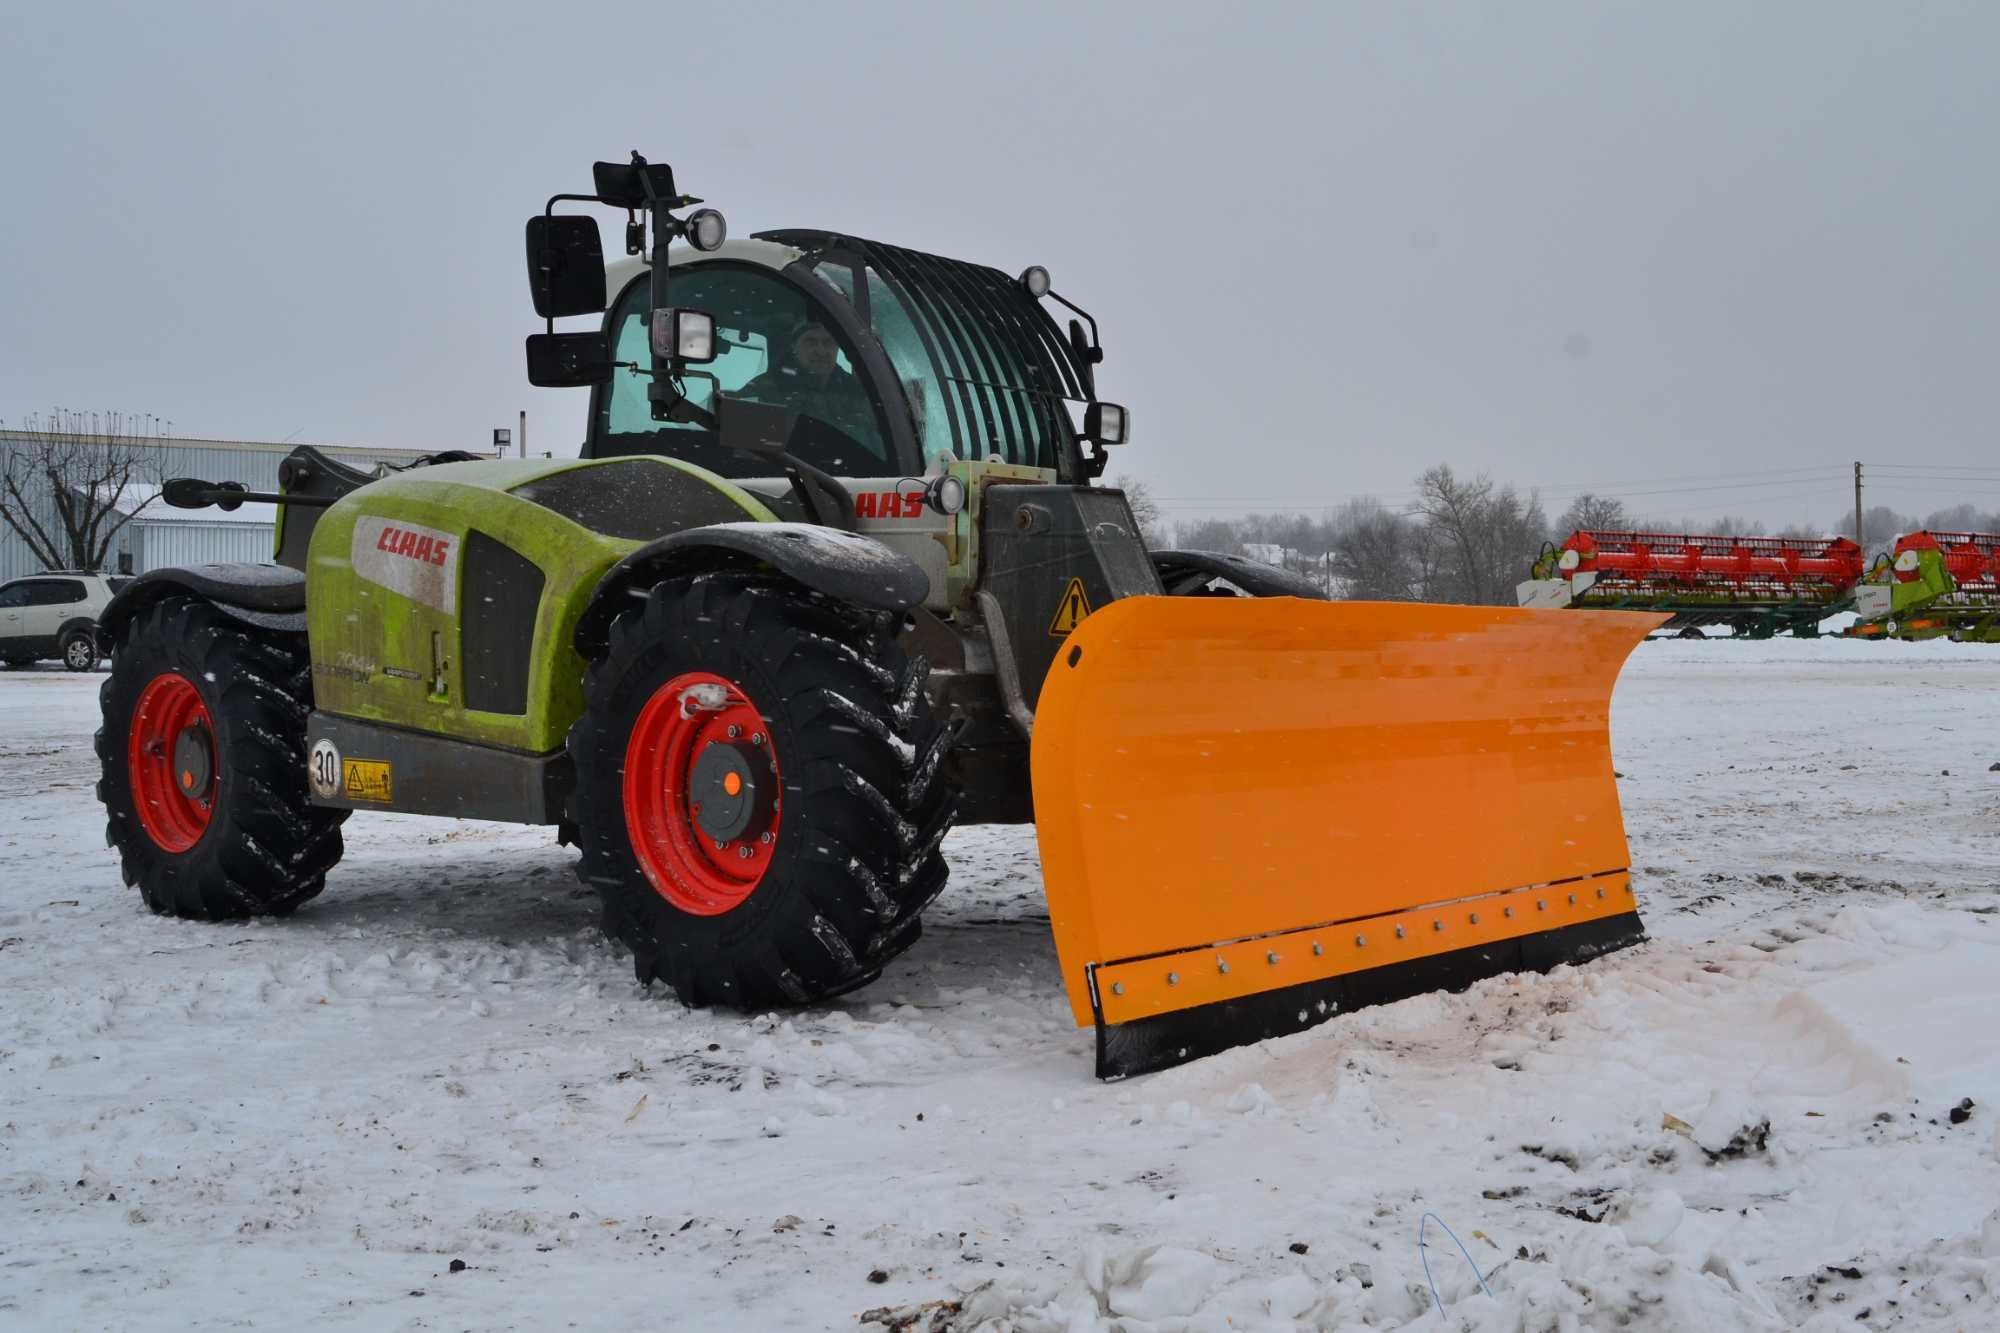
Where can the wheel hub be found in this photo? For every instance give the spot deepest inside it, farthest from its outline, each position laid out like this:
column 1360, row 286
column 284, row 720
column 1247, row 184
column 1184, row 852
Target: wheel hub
column 732, row 790
column 194, row 762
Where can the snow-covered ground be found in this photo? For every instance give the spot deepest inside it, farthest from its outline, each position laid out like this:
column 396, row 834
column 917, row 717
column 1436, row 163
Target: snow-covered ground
column 312, row 1121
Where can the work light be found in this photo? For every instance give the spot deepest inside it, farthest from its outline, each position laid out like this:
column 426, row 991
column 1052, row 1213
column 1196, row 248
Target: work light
column 946, row 494
column 1107, row 423
column 705, row 229
column 683, row 335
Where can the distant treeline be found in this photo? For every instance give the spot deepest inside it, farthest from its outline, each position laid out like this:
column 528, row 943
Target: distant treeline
column 1468, row 540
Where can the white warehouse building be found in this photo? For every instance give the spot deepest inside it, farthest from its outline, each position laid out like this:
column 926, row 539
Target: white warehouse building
column 159, row 536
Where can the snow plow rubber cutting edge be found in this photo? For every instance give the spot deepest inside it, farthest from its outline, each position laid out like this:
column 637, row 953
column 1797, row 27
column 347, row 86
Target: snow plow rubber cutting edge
column 1257, row 813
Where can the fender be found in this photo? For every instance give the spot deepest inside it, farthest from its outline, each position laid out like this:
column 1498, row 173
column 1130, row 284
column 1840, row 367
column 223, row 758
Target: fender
column 73, row 625
column 1181, row 572
column 845, row 566
column 268, row 596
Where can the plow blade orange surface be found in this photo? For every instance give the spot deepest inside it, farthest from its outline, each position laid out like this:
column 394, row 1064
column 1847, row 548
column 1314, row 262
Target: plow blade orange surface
column 1256, row 813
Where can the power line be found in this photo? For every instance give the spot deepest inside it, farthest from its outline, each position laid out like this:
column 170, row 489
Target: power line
column 1721, row 480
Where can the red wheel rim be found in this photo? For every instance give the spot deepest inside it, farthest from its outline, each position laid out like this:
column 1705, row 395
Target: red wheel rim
column 174, row 803
column 685, row 717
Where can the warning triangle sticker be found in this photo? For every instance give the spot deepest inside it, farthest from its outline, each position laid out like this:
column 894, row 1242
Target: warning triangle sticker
column 1075, row 605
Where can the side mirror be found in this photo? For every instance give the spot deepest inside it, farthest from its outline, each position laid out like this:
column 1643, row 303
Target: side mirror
column 565, row 266
column 568, row 360
column 1089, row 353
column 1107, row 423
column 756, row 428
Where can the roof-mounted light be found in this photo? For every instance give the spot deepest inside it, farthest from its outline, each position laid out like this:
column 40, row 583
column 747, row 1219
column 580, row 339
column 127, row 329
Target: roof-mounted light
column 1035, row 281
column 705, row 229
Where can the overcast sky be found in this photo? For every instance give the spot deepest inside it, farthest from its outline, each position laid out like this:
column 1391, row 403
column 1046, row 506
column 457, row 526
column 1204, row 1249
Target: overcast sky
column 1573, row 245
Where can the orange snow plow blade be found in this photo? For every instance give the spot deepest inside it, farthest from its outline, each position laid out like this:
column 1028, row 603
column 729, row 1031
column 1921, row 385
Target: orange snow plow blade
column 1255, row 813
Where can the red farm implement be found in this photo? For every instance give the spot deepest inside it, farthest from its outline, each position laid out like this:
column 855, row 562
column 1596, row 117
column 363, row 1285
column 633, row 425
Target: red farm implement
column 1757, row 586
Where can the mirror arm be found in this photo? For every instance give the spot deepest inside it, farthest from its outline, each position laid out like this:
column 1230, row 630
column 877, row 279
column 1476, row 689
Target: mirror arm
column 1075, row 309
column 231, row 498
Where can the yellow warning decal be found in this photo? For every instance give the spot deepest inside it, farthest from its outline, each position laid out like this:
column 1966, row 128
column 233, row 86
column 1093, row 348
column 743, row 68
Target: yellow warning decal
column 1075, row 605
column 367, row 779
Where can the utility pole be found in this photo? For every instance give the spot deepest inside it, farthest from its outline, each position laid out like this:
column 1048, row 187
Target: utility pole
column 1860, row 539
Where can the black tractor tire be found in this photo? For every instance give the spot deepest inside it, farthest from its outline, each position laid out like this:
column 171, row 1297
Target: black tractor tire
column 265, row 848
column 862, row 807
column 79, row 651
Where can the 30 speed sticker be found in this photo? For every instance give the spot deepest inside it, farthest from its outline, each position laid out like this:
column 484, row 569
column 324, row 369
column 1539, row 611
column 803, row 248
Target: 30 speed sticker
column 323, row 769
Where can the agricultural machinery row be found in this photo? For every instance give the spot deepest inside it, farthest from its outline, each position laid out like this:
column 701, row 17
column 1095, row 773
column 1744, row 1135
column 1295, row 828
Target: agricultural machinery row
column 1930, row 585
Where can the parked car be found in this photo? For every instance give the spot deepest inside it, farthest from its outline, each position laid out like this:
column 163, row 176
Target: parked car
column 55, row 615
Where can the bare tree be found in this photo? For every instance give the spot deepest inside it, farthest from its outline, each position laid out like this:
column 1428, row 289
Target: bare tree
column 66, row 482
column 1880, row 526
column 1484, row 537
column 1593, row 513
column 1375, row 552
column 1211, row 534
column 1963, row 518
column 1151, row 517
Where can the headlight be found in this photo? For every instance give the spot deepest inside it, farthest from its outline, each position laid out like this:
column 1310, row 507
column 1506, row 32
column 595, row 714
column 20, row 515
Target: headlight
column 1107, row 423
column 705, row 229
column 683, row 335
column 946, row 494
column 1035, row 281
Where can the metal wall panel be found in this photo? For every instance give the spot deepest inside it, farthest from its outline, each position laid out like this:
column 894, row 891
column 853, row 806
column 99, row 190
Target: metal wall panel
column 166, row 545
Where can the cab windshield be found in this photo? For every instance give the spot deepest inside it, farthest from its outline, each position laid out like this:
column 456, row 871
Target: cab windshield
column 774, row 345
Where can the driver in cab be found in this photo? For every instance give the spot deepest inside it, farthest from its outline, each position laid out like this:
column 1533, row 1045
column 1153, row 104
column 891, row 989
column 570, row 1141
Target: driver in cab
column 811, row 383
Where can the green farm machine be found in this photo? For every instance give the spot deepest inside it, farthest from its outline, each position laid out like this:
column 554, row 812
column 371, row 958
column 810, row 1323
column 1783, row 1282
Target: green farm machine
column 1933, row 585
column 831, row 571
